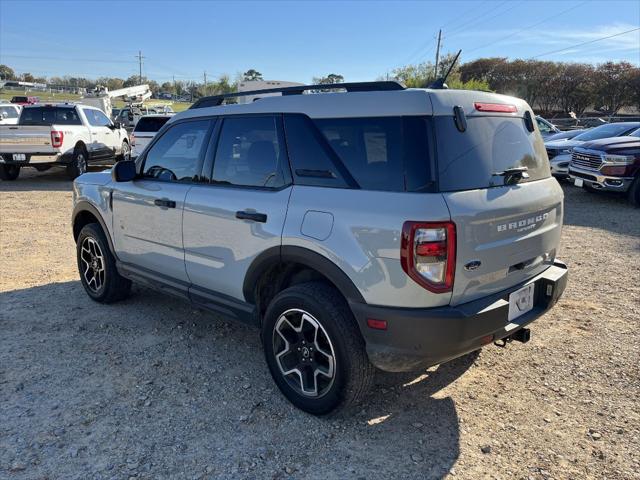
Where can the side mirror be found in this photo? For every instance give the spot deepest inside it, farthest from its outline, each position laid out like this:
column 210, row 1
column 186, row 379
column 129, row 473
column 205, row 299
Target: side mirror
column 124, row 171
column 117, row 125
column 130, row 117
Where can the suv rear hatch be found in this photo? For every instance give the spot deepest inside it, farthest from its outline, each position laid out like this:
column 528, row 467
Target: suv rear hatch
column 508, row 226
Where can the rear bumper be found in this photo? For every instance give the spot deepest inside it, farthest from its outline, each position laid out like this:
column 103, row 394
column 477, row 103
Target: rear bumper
column 38, row 158
column 597, row 180
column 419, row 338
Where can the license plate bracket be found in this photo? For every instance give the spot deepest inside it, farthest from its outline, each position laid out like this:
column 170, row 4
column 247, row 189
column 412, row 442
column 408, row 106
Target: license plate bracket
column 521, row 301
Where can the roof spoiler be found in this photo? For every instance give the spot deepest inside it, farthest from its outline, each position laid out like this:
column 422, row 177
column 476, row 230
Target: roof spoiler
column 217, row 100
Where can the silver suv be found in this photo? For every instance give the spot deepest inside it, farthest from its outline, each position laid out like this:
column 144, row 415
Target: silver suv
column 375, row 226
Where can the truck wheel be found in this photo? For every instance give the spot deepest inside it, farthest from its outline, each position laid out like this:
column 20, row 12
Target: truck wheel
column 9, row 172
column 78, row 164
column 314, row 350
column 634, row 192
column 125, row 152
column 97, row 267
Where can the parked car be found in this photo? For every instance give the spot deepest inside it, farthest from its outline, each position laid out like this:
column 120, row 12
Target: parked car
column 9, row 113
column 559, row 151
column 610, row 164
column 24, row 100
column 566, row 135
column 546, row 127
column 65, row 135
column 145, row 130
column 333, row 224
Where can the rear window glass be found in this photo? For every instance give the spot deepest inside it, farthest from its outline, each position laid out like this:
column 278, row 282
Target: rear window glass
column 49, row 116
column 490, row 145
column 382, row 153
column 19, row 99
column 150, row 124
column 8, row 112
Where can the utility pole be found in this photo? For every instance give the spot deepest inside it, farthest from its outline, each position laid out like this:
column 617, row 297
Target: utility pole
column 140, row 57
column 205, row 82
column 438, row 53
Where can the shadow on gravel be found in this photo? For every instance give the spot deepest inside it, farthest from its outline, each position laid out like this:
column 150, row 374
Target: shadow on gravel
column 603, row 210
column 92, row 389
column 53, row 180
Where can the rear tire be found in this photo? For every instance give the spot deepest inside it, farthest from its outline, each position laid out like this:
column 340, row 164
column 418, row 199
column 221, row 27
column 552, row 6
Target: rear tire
column 97, row 267
column 78, row 164
column 634, row 192
column 9, row 172
column 324, row 367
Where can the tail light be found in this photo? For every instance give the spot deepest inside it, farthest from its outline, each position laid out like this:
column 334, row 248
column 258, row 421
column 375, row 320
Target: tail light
column 57, row 137
column 428, row 254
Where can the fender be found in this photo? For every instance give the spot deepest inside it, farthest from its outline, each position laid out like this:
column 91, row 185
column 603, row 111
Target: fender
column 84, row 206
column 303, row 256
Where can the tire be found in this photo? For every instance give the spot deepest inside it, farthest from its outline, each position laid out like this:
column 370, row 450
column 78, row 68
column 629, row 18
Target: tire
column 9, row 172
column 79, row 163
column 329, row 340
column 634, row 192
column 125, row 152
column 97, row 267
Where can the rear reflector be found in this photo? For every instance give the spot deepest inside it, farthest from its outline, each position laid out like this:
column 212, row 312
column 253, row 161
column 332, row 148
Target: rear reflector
column 495, row 107
column 376, row 324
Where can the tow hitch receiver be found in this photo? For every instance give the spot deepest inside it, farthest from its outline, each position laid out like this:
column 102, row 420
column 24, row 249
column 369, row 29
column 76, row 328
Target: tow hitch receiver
column 523, row 336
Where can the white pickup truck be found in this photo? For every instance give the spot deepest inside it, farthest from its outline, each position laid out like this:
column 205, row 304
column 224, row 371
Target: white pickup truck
column 66, row 135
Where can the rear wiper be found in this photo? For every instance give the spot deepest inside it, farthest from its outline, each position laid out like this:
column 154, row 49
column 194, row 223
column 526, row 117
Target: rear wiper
column 513, row 175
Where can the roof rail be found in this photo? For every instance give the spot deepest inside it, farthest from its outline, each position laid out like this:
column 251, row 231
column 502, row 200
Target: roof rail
column 217, row 100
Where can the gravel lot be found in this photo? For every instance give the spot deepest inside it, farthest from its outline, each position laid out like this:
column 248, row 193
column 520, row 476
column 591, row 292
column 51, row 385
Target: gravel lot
column 152, row 388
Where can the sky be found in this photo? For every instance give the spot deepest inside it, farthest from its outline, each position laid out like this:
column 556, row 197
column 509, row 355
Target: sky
column 296, row 41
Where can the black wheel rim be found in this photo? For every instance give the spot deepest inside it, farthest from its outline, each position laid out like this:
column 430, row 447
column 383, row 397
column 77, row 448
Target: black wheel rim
column 92, row 263
column 304, row 353
column 81, row 162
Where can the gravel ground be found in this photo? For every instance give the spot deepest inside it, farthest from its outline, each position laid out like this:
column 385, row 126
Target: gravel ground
column 152, row 388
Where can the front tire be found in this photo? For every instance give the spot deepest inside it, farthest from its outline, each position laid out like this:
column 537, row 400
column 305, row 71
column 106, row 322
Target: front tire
column 78, row 164
column 97, row 267
column 314, row 349
column 9, row 172
column 125, row 152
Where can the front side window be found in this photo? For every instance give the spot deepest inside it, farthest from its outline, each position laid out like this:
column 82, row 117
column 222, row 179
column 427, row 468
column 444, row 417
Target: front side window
column 8, row 112
column 177, row 155
column 249, row 153
column 96, row 118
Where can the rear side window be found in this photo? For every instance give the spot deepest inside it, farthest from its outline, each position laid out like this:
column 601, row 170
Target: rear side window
column 177, row 155
column 250, row 153
column 150, row 124
column 382, row 153
column 49, row 116
column 490, row 145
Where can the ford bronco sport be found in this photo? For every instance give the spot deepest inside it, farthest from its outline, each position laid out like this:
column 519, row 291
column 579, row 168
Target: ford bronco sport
column 373, row 226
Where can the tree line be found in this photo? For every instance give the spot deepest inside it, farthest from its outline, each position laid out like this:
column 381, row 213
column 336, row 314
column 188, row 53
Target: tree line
column 549, row 87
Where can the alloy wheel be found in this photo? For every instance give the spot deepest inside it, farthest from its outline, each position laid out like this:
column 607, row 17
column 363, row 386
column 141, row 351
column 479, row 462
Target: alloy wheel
column 304, row 353
column 92, row 264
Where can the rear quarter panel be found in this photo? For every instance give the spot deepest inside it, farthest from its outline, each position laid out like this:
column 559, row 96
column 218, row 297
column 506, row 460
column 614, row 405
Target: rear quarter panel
column 363, row 239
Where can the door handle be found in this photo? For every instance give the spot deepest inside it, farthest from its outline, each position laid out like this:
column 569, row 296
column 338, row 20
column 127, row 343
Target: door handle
column 256, row 217
column 160, row 202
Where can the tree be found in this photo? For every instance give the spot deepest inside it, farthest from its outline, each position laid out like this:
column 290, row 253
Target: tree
column 415, row 76
column 7, row 73
column 329, row 79
column 615, row 88
column 27, row 77
column 252, row 75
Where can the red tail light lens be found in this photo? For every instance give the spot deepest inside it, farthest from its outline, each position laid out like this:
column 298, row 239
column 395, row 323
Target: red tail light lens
column 57, row 137
column 428, row 254
column 495, row 107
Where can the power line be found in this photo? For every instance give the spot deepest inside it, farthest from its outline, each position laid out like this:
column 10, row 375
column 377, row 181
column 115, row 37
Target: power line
column 586, row 43
column 458, row 31
column 479, row 17
column 460, row 17
column 555, row 15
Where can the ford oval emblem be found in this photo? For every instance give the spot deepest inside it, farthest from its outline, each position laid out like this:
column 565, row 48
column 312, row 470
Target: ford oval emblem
column 473, row 265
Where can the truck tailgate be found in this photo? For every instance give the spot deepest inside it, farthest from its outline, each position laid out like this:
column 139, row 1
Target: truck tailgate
column 25, row 139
